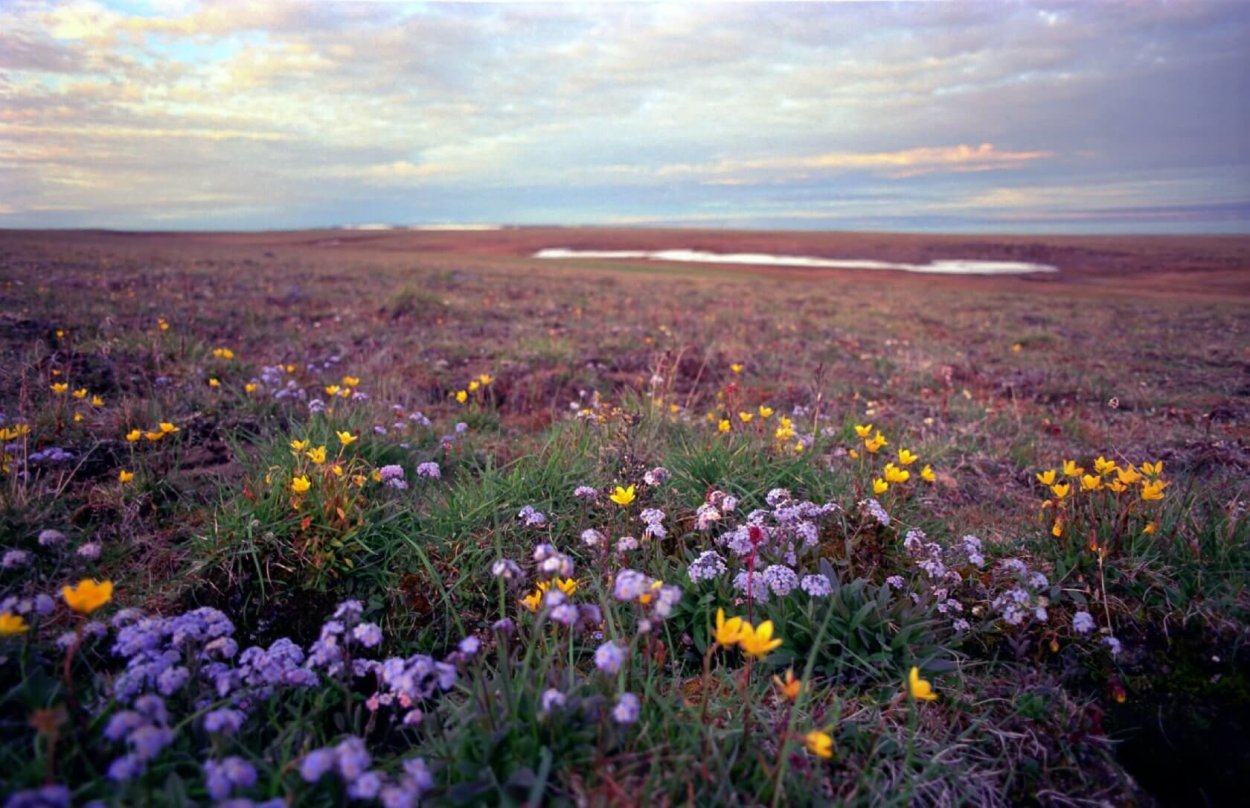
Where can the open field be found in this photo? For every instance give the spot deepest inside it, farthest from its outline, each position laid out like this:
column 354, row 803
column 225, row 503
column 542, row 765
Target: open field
column 319, row 417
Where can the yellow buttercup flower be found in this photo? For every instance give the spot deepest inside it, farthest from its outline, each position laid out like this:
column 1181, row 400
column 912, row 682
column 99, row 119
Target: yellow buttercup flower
column 332, row 390
column 622, row 496
column 873, row 445
column 153, row 435
column 473, row 385
column 80, row 393
column 789, row 688
column 723, row 425
column 736, row 367
column 124, row 476
column 1090, row 482
column 745, row 417
column 299, row 445
column 1104, row 466
column 1056, row 529
column 879, row 486
column 11, row 624
column 462, row 396
column 250, row 387
column 346, row 438
column 758, row 641
column 301, row 484
column 1117, row 486
column 819, row 744
column 533, row 600
column 853, row 454
column 1046, row 477
column 167, row 427
column 906, row 458
column 134, row 435
column 59, row 388
column 927, row 474
column 1152, row 469
column 1128, row 475
column 919, row 688
column 317, row 455
column 223, row 353
column 1060, row 490
column 863, row 430
column 765, row 412
column 87, row 595
column 214, row 383
column 566, row 585
column 162, row 324
column 1149, row 529
column 1152, row 490
column 1071, row 469
column 485, row 379
column 893, row 474
column 97, row 401
column 351, row 381
column 337, row 470
column 78, row 417
column 727, row 631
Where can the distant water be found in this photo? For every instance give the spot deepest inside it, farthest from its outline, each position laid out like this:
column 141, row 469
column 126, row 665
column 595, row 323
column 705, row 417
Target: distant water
column 944, row 267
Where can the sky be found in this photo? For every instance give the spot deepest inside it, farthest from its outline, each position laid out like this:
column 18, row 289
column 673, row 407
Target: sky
column 995, row 117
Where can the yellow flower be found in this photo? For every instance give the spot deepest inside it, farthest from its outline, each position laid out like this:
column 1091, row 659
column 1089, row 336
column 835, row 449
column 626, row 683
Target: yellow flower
column 727, row 631
column 134, row 435
column 485, row 379
column 819, row 744
column 124, row 476
column 332, row 390
column 566, row 585
column 351, row 381
column 853, row 454
column 745, row 417
column 1128, row 475
column 736, row 367
column 1071, row 469
column 346, row 438
column 873, row 445
column 337, row 470
column 250, row 387
column 919, row 688
column 317, row 455
column 1090, row 482
column 765, row 412
column 533, row 600
column 893, row 474
column 473, row 385
column 214, row 383
column 906, row 458
column 1104, row 466
column 1152, row 490
column 622, row 496
column 80, row 393
column 462, row 396
column 290, row 368
column 863, row 430
column 1117, row 486
column 758, row 641
column 153, row 435
column 376, row 475
column 722, row 425
column 789, row 688
column 78, row 417
column 87, row 595
column 1016, row 347
column 167, row 427
column 59, row 388
column 1152, row 469
column 299, row 445
column 11, row 624
column 223, row 353
column 879, row 486
column 162, row 324
column 97, row 401
column 1149, row 529
column 301, row 484
column 1056, row 530
column 1046, row 477
column 1060, row 490
column 927, row 474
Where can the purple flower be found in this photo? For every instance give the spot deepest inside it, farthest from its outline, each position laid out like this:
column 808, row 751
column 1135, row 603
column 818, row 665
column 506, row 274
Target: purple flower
column 224, row 721
column 552, row 699
column 146, row 742
column 391, row 472
column 708, row 566
column 366, row 786
column 352, row 758
column 51, row 538
column 368, row 635
column 43, row 797
column 565, row 614
column 585, row 492
column 1082, row 622
column 816, row 586
column 125, row 767
column 13, row 559
column 222, row 778
column 89, row 551
column 609, row 657
column 316, row 763
column 469, row 646
column 626, row 709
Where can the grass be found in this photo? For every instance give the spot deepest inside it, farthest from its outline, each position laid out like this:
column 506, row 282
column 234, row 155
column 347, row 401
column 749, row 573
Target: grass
column 595, row 379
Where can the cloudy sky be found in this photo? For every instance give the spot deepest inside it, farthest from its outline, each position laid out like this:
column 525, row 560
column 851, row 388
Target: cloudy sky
column 993, row 117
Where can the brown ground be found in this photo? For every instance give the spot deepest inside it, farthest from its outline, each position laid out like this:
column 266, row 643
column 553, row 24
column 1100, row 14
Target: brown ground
column 1169, row 266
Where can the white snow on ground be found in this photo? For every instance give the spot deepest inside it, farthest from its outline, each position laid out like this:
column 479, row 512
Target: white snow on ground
column 944, row 267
